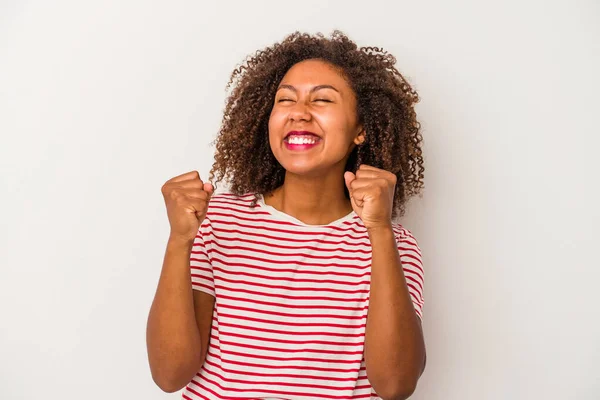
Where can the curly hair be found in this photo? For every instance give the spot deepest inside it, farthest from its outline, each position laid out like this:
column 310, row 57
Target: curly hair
column 385, row 108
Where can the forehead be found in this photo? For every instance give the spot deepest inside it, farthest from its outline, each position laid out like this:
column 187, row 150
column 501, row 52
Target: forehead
column 313, row 73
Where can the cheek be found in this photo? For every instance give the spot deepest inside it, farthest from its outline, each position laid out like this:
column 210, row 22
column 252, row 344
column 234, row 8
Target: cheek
column 336, row 126
column 276, row 121
column 275, row 127
column 331, row 122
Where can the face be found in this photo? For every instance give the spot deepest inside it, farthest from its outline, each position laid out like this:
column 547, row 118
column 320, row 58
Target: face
column 313, row 126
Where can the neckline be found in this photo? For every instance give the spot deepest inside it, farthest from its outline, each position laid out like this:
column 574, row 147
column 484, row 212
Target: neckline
column 284, row 216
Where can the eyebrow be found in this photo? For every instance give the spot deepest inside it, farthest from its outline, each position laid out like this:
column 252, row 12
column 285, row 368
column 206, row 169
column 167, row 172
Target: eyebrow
column 314, row 89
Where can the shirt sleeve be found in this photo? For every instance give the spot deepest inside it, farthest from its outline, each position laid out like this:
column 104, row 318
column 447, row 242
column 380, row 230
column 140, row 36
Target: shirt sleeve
column 412, row 265
column 200, row 265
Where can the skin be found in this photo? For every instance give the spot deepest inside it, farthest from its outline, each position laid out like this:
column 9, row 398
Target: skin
column 314, row 96
column 313, row 191
column 179, row 321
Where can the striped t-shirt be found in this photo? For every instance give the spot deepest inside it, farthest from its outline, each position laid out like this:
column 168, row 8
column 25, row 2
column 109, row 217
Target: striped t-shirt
column 291, row 302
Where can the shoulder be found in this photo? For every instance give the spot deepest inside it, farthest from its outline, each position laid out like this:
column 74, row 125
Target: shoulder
column 405, row 236
column 232, row 198
column 226, row 203
column 401, row 230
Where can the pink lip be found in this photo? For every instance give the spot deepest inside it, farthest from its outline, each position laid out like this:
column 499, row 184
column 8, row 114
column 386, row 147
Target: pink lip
column 300, row 133
column 307, row 146
column 300, row 147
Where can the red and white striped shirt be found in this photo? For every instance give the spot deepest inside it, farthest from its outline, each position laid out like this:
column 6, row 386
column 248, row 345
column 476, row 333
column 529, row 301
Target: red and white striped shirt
column 291, row 302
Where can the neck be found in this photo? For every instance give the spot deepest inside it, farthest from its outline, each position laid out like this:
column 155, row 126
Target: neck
column 313, row 201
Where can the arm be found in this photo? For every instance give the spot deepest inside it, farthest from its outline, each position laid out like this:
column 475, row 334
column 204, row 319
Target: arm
column 179, row 321
column 394, row 344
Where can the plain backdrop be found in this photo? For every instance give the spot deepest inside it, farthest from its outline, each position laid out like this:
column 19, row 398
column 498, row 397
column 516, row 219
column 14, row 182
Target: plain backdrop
column 102, row 102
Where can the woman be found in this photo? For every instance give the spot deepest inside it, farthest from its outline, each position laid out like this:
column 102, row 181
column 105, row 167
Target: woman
column 302, row 287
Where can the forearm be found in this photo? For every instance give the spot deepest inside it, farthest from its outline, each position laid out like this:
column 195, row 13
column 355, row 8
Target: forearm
column 394, row 345
column 172, row 335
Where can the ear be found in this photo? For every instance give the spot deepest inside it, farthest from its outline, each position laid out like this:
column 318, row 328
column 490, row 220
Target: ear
column 360, row 138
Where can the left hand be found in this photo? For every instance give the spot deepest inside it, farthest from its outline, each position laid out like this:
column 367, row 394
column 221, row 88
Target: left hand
column 372, row 195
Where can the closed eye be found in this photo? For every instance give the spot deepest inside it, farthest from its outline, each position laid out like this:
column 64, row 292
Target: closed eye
column 282, row 100
column 325, row 100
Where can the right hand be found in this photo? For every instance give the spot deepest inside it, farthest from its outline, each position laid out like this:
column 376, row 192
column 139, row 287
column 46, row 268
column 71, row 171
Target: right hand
column 186, row 198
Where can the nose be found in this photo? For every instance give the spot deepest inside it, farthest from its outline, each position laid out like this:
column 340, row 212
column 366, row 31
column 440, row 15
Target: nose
column 300, row 112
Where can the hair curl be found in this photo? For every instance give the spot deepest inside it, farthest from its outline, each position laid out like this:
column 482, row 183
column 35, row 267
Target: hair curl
column 385, row 108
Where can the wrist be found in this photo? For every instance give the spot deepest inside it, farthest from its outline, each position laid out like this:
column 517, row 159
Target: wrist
column 383, row 229
column 180, row 242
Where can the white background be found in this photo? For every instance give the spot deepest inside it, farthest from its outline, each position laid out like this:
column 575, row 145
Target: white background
column 101, row 102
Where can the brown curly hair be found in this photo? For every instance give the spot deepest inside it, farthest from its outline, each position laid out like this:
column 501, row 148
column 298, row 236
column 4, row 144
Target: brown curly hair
column 385, row 108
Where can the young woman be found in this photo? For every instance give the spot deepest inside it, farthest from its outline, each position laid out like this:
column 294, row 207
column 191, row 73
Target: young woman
column 302, row 287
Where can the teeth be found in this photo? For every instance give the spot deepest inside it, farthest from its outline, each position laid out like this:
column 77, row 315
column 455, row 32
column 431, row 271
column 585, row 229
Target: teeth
column 301, row 140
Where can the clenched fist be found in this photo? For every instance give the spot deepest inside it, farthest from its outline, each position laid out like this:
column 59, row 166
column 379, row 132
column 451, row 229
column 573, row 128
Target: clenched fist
column 186, row 198
column 372, row 195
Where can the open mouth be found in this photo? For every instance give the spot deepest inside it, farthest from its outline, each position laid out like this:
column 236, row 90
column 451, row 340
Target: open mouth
column 301, row 140
column 304, row 139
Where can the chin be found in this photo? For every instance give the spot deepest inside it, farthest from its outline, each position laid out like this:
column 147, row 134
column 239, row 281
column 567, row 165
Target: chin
column 303, row 169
